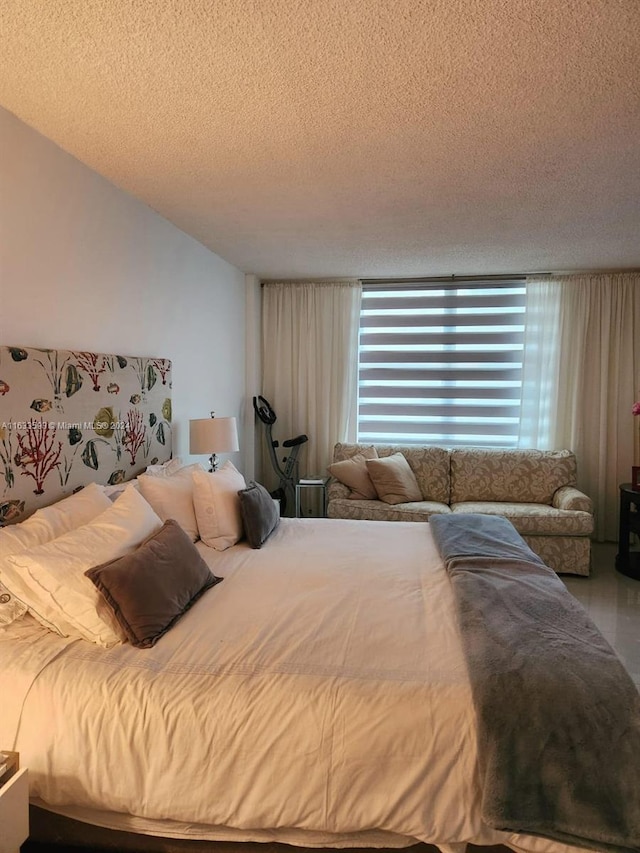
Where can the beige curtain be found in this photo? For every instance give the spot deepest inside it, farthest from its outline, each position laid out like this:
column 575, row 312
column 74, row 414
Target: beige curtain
column 592, row 375
column 310, row 366
column 540, row 364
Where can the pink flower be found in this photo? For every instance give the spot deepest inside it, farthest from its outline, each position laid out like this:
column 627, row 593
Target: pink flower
column 636, row 408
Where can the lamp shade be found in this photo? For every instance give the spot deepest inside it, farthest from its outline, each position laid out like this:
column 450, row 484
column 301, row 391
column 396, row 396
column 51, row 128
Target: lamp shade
column 213, row 435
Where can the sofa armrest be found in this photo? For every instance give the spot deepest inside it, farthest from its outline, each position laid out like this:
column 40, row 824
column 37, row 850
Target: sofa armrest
column 568, row 497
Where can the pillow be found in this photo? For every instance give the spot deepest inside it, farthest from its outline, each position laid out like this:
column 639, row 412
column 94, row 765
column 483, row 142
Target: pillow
column 52, row 521
column 217, row 505
column 50, row 579
column 172, row 497
column 114, row 492
column 43, row 526
column 393, row 479
column 353, row 473
column 11, row 608
column 167, row 469
column 149, row 589
column 260, row 514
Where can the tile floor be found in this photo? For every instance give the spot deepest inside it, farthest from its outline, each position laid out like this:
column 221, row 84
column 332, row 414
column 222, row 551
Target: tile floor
column 613, row 602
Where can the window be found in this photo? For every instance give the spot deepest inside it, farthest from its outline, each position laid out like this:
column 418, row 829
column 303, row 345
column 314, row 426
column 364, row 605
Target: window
column 441, row 363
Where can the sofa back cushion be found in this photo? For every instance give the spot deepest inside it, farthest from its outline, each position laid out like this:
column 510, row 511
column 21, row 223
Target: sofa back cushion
column 430, row 466
column 518, row 476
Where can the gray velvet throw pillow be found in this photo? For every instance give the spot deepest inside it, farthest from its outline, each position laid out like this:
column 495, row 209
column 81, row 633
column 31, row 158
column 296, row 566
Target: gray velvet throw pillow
column 260, row 515
column 149, row 589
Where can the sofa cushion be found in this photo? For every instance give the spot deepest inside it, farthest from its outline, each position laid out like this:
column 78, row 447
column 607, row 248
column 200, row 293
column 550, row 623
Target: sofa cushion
column 353, row 473
column 533, row 518
column 379, row 511
column 394, row 481
column 524, row 476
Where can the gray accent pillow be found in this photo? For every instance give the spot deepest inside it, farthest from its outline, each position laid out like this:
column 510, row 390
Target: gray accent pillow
column 149, row 589
column 260, row 515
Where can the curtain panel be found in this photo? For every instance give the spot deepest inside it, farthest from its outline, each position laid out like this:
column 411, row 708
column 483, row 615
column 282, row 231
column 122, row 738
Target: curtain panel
column 581, row 378
column 310, row 366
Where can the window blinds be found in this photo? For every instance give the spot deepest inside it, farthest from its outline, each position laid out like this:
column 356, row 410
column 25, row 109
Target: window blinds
column 441, row 363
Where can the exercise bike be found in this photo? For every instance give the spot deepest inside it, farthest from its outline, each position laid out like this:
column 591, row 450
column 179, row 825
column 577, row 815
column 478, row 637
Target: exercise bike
column 287, row 475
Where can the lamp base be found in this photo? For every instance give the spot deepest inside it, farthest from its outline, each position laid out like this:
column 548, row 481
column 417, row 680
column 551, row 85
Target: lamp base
column 213, row 463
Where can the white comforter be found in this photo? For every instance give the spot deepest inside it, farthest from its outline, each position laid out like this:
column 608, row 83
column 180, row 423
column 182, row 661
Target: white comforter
column 320, row 688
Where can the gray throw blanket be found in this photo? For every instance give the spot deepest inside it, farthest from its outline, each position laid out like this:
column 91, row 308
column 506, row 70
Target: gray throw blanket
column 558, row 715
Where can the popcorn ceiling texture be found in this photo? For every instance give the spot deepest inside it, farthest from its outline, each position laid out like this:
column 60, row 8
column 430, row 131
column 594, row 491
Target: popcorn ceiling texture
column 301, row 138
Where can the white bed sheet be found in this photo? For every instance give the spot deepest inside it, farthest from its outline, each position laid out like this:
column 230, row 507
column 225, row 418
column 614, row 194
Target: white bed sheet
column 319, row 691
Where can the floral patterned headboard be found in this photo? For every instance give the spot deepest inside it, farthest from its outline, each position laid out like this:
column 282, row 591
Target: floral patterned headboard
column 68, row 418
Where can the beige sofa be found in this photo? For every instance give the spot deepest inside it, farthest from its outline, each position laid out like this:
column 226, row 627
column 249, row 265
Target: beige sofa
column 534, row 489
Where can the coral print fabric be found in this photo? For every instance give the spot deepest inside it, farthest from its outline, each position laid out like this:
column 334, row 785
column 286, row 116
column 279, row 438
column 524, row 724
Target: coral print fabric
column 68, row 418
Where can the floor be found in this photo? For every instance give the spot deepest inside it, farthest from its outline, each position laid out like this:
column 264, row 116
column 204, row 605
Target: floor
column 613, row 602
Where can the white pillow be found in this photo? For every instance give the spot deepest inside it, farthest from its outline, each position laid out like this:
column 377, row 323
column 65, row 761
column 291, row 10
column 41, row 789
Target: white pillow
column 167, row 469
column 52, row 521
column 217, row 505
column 11, row 608
column 51, row 577
column 172, row 497
column 114, row 492
column 43, row 526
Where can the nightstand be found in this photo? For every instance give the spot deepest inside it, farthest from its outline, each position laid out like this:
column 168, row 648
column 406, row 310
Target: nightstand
column 14, row 812
column 628, row 561
column 317, row 483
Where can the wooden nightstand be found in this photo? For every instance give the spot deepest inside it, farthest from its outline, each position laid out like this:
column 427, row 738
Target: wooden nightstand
column 14, row 812
column 628, row 561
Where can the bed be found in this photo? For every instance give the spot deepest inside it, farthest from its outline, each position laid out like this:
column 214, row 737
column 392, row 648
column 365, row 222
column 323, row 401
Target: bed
column 319, row 695
column 279, row 668
column 324, row 690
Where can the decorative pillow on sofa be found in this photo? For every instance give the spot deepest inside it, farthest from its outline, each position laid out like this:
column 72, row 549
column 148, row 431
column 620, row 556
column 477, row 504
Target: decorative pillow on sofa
column 50, row 578
column 149, row 589
column 217, row 505
column 354, row 474
column 260, row 514
column 43, row 526
column 172, row 497
column 394, row 480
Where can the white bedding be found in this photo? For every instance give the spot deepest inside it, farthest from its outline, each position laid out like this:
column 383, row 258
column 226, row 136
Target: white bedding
column 319, row 691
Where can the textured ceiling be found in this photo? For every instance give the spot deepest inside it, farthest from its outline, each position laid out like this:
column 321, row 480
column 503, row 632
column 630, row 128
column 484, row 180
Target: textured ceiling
column 308, row 138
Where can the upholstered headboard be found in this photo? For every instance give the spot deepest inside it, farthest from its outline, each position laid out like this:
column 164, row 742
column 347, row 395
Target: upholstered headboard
column 68, row 418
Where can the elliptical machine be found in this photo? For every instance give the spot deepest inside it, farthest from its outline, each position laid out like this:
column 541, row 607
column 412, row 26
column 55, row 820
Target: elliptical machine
column 287, row 476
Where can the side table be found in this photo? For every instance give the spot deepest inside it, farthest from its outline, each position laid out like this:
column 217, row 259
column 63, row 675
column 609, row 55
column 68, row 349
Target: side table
column 628, row 562
column 319, row 483
column 14, row 812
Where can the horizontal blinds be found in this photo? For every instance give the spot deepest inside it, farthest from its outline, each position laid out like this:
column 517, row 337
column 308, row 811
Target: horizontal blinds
column 441, row 364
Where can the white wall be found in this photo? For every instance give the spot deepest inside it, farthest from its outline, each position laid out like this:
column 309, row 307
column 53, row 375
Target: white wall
column 83, row 265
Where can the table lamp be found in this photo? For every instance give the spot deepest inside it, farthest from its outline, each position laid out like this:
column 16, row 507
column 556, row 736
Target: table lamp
column 213, row 435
